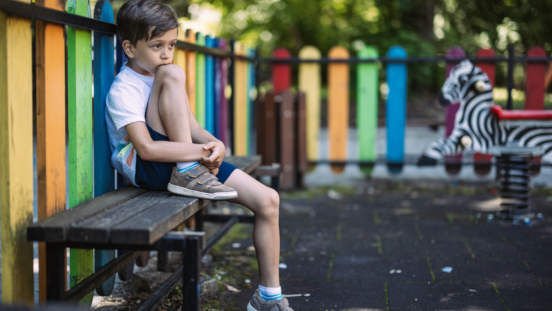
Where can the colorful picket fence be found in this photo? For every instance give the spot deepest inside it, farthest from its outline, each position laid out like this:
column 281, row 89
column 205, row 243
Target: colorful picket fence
column 310, row 83
column 90, row 171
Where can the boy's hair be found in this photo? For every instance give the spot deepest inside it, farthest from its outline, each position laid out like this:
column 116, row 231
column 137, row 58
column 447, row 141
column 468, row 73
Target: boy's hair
column 135, row 18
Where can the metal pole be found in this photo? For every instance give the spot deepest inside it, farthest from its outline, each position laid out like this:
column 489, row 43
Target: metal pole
column 511, row 61
column 190, row 283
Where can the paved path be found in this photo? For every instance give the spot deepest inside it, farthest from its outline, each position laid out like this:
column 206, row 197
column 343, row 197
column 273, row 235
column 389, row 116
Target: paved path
column 343, row 252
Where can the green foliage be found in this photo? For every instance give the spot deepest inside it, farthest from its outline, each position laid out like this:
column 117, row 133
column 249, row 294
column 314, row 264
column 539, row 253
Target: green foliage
column 422, row 27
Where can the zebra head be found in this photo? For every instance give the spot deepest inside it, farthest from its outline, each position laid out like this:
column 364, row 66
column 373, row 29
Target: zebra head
column 464, row 80
column 468, row 85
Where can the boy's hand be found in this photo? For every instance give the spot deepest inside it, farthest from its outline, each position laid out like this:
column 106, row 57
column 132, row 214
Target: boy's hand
column 215, row 159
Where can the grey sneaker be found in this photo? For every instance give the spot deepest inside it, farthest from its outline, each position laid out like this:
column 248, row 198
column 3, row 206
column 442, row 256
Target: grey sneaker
column 199, row 183
column 258, row 304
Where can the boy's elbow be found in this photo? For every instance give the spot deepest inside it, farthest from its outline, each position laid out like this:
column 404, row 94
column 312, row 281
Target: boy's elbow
column 145, row 152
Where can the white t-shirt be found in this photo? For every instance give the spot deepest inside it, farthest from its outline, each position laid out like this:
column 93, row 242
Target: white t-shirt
column 126, row 102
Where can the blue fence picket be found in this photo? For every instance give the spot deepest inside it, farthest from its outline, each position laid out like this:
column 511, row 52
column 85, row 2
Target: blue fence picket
column 104, row 179
column 209, row 88
column 396, row 74
column 251, row 94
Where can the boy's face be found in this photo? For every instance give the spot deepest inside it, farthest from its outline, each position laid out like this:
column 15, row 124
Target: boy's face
column 147, row 56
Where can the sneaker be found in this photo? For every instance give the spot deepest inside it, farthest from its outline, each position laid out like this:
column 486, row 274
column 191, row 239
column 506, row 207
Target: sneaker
column 199, row 183
column 258, row 304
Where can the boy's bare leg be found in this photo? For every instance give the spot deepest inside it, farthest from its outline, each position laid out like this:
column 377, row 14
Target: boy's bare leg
column 265, row 203
column 168, row 106
column 167, row 113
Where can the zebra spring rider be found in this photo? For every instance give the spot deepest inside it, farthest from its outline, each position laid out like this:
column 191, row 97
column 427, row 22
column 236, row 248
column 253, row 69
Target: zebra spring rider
column 477, row 129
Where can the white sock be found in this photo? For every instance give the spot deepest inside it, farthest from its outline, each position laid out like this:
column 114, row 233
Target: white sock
column 270, row 293
column 183, row 167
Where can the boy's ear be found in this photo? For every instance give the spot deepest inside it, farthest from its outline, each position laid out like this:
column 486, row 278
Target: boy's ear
column 128, row 49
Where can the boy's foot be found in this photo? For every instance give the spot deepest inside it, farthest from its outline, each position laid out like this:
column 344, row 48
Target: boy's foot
column 199, row 183
column 258, row 304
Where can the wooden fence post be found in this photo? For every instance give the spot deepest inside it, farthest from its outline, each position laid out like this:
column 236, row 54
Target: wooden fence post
column 535, row 79
column 222, row 108
column 191, row 72
column 209, row 88
column 482, row 161
column 367, row 108
column 287, row 140
column 251, row 100
column 240, row 102
column 310, row 81
column 395, row 114
column 338, row 107
column 79, row 90
column 453, row 164
column 104, row 174
column 50, row 126
column 16, row 158
column 200, row 82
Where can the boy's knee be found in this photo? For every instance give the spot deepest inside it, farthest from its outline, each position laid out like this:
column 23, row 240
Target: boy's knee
column 171, row 73
column 271, row 203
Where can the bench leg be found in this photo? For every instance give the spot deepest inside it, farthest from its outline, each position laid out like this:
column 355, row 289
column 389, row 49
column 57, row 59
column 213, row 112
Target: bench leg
column 55, row 272
column 199, row 225
column 191, row 286
column 162, row 261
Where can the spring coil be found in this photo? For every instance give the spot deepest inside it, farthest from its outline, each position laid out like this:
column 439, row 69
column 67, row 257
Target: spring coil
column 514, row 182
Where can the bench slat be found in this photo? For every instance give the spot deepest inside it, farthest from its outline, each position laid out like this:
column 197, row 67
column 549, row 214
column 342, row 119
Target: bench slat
column 54, row 228
column 246, row 164
column 98, row 229
column 153, row 223
column 84, row 222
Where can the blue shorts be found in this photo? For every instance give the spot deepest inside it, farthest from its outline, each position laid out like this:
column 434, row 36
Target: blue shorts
column 156, row 175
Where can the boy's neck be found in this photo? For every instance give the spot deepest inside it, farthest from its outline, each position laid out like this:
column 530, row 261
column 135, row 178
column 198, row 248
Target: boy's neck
column 134, row 66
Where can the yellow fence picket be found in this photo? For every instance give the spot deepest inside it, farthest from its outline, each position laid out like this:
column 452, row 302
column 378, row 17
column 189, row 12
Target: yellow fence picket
column 309, row 82
column 16, row 158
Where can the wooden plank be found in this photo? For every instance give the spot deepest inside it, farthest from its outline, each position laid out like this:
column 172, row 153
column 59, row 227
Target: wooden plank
column 287, row 140
column 395, row 109
column 338, row 107
column 482, row 161
column 55, row 228
column 16, row 158
column 79, row 89
column 209, row 88
column 50, row 126
column 548, row 78
column 281, row 73
column 200, row 82
column 367, row 107
column 180, row 54
column 104, row 174
column 240, row 103
column 267, row 137
column 534, row 84
column 222, row 108
column 191, row 71
column 301, row 160
column 148, row 226
column 97, row 229
column 251, row 99
column 310, row 80
column 247, row 164
column 452, row 163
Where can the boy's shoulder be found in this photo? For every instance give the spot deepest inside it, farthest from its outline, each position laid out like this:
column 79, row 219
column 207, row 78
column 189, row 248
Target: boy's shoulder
column 126, row 86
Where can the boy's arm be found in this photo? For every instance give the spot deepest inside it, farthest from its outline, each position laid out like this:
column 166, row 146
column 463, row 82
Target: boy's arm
column 212, row 144
column 163, row 151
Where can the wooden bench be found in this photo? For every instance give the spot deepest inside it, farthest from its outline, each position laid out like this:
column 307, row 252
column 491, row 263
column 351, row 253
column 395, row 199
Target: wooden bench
column 134, row 219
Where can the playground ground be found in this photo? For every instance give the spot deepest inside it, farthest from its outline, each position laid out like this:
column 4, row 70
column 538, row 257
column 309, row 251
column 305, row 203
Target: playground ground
column 389, row 250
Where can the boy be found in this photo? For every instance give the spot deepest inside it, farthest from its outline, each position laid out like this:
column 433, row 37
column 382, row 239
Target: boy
column 158, row 144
